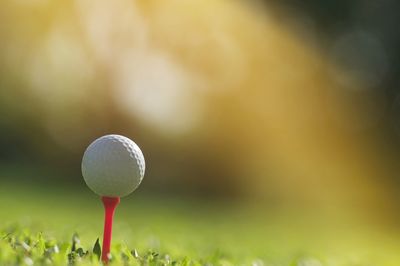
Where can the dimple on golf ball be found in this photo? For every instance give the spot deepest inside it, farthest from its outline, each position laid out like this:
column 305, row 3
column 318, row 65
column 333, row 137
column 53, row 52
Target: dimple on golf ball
column 113, row 166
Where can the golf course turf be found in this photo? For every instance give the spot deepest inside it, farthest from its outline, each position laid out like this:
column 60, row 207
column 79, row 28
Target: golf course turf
column 50, row 225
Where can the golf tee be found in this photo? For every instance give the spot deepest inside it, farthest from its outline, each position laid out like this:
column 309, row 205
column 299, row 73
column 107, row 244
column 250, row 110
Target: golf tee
column 110, row 203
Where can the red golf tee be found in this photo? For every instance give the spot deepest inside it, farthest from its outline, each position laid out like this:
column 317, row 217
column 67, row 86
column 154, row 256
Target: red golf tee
column 110, row 203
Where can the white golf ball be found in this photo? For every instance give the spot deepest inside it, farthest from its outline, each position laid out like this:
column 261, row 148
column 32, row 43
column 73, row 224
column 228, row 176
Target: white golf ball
column 113, row 166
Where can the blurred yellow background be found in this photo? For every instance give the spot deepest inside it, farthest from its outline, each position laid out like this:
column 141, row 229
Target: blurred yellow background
column 229, row 99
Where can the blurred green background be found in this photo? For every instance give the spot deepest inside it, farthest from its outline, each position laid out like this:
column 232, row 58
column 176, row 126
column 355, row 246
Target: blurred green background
column 282, row 109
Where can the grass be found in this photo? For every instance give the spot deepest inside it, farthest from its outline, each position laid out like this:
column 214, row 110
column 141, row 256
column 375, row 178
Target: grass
column 46, row 225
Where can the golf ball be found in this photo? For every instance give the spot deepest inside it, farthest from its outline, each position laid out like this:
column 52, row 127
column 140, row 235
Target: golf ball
column 113, row 166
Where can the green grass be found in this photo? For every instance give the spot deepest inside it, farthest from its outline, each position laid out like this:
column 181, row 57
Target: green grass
column 45, row 225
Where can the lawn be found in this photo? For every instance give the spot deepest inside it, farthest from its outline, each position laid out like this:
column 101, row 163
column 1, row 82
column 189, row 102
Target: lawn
column 59, row 225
